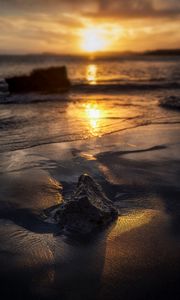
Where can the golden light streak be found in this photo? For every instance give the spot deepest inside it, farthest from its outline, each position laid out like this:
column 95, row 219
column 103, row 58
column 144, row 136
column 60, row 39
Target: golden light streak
column 91, row 114
column 91, row 74
column 94, row 115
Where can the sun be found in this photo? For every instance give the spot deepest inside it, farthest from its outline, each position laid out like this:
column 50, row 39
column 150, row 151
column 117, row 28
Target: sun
column 93, row 39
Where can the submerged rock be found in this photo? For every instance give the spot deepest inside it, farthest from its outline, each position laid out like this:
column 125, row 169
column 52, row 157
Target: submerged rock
column 42, row 80
column 87, row 210
column 171, row 102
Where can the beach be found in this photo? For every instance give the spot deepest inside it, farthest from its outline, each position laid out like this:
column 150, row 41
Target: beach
column 113, row 128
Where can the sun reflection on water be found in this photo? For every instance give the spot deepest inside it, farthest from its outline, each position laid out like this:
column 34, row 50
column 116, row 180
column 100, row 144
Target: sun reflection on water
column 91, row 74
column 90, row 117
column 94, row 115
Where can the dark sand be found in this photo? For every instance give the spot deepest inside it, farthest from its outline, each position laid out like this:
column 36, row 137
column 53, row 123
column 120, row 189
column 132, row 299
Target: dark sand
column 135, row 258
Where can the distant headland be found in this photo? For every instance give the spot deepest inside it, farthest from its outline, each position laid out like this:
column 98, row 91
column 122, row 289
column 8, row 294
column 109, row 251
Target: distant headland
column 157, row 52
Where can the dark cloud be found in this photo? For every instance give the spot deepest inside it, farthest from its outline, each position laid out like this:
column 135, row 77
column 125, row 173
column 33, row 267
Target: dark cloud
column 45, row 6
column 96, row 8
column 139, row 8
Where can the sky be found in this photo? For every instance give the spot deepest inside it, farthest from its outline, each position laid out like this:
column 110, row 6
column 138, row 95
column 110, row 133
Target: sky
column 80, row 26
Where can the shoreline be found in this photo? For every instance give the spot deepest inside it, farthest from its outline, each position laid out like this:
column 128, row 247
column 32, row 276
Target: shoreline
column 135, row 257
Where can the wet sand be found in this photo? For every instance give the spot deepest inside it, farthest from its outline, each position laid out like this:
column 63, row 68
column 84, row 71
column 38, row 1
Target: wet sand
column 135, row 258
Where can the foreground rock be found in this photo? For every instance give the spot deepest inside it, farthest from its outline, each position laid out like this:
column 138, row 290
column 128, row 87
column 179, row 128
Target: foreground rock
column 89, row 209
column 40, row 80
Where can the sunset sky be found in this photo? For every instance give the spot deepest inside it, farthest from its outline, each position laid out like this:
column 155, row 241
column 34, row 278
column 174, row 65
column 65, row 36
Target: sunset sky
column 78, row 26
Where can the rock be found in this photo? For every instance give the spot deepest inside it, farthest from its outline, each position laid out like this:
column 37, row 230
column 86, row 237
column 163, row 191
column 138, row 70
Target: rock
column 171, row 102
column 40, row 80
column 87, row 210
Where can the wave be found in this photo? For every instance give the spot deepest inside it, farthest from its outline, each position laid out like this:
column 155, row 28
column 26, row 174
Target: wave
column 125, row 80
column 109, row 88
column 66, row 138
column 6, row 99
column 113, row 88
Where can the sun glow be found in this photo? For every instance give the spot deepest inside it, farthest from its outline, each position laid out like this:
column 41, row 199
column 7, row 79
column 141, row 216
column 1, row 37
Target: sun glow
column 93, row 40
column 92, row 111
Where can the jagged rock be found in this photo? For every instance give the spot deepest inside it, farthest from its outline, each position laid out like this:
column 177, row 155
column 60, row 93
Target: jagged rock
column 42, row 80
column 88, row 209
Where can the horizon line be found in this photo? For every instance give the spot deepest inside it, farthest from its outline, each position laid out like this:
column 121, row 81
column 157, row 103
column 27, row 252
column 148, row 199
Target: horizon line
column 101, row 53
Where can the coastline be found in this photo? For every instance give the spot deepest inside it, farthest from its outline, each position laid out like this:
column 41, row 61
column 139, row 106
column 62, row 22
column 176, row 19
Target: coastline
column 136, row 257
column 111, row 125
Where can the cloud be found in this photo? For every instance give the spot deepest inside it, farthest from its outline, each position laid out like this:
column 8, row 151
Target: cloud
column 56, row 25
column 139, row 9
column 12, row 7
column 39, row 32
column 96, row 8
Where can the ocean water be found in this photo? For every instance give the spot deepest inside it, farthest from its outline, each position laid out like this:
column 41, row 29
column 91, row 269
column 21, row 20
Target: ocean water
column 110, row 125
column 106, row 96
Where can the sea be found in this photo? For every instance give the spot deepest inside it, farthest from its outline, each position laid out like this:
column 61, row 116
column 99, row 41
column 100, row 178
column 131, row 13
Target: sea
column 98, row 87
column 119, row 123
